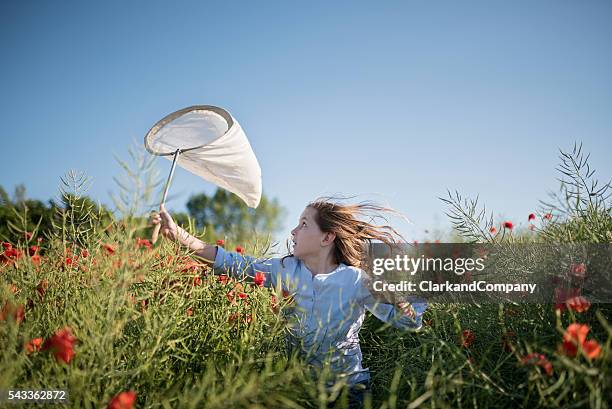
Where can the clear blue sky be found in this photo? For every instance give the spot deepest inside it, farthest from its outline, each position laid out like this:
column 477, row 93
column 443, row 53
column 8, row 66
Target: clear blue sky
column 392, row 101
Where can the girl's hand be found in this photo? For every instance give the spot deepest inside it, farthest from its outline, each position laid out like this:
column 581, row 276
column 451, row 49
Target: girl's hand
column 168, row 226
column 407, row 309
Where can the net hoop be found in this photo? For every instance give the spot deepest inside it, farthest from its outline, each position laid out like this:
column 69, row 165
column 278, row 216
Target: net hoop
column 171, row 117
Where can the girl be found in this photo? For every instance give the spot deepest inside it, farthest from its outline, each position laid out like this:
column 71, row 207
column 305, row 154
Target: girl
column 324, row 276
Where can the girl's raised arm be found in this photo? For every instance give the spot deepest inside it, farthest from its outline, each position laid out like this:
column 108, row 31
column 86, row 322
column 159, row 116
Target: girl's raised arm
column 173, row 232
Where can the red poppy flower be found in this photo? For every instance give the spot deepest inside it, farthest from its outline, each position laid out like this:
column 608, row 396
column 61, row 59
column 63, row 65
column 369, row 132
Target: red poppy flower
column 574, row 335
column 243, row 296
column 6, row 245
column 531, row 217
column 123, row 400
column 220, row 242
column 538, row 360
column 493, row 230
column 467, row 338
column 33, row 345
column 143, row 243
column 12, row 254
column 578, row 304
column 260, row 278
column 32, row 250
column 84, row 253
column 35, row 259
column 239, row 249
column 564, row 294
column 591, row 349
column 548, row 216
column 508, row 225
column 578, row 270
column 109, row 249
column 61, row 345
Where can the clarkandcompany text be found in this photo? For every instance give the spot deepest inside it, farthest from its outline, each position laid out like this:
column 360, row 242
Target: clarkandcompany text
column 475, row 286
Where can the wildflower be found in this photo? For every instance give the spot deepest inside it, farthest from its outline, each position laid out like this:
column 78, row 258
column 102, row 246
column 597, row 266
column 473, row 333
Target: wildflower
column 33, row 345
column 493, row 230
column 260, row 278
column 243, row 296
column 564, row 294
column 538, row 360
column 143, row 243
column 220, row 242
column 7, row 246
column 123, row 400
column 548, row 216
column 508, row 225
column 32, row 250
column 109, row 249
column 240, row 249
column 591, row 349
column 61, row 345
column 578, row 270
column 467, row 338
column 578, row 304
column 574, row 335
column 84, row 253
column 531, row 217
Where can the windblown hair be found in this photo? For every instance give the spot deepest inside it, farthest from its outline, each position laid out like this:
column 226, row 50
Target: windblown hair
column 353, row 234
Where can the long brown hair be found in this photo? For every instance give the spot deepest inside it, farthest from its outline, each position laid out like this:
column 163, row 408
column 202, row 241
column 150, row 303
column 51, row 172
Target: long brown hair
column 353, row 234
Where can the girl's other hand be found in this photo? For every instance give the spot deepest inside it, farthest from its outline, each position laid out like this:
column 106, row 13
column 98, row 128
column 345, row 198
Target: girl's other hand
column 408, row 310
column 169, row 228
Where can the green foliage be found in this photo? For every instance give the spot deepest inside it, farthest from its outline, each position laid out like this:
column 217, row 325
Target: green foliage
column 23, row 215
column 224, row 214
column 78, row 218
column 580, row 212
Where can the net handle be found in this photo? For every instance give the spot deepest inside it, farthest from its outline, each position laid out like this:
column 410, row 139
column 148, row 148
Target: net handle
column 155, row 234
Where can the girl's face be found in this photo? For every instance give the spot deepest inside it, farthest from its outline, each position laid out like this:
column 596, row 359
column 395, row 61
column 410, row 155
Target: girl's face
column 307, row 236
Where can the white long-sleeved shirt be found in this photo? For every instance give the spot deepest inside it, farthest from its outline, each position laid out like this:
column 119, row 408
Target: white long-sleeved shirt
column 329, row 308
